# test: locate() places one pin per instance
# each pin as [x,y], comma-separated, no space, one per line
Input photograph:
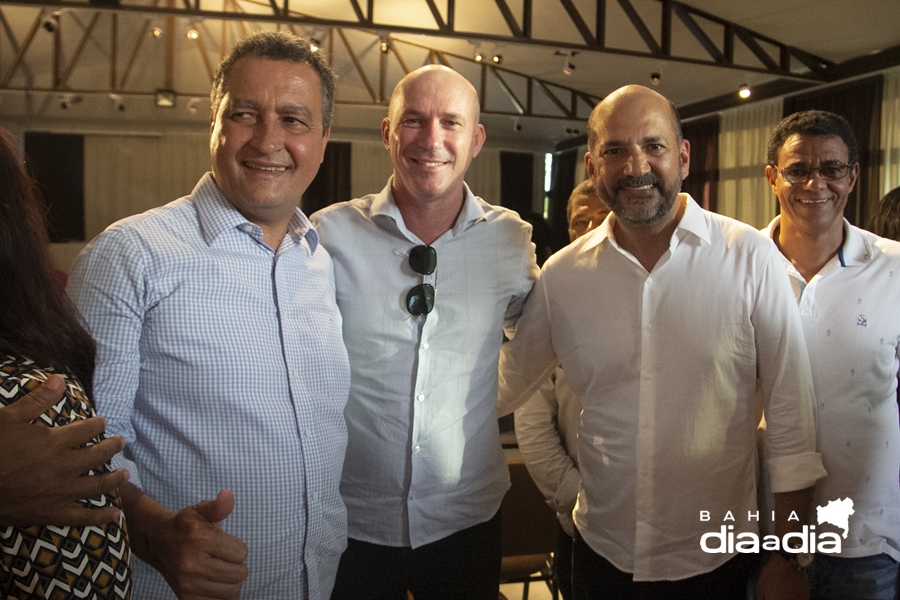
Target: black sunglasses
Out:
[420,299]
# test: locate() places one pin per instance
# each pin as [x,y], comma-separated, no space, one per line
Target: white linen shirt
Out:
[547,435]
[424,458]
[851,317]
[666,365]
[222,364]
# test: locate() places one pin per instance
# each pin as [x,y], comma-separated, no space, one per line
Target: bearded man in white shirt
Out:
[664,318]
[428,277]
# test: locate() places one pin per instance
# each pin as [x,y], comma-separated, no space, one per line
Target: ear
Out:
[478,139]
[325,137]
[684,155]
[854,175]
[772,175]
[386,133]
[589,165]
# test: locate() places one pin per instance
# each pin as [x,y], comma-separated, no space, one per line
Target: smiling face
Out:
[816,206]
[267,139]
[432,134]
[636,162]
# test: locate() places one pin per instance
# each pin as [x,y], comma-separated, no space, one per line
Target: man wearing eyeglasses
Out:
[667,319]
[428,278]
[847,285]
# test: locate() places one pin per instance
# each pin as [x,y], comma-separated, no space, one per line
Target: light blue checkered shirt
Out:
[222,364]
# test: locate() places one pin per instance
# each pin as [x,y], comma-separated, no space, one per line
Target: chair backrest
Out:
[529,525]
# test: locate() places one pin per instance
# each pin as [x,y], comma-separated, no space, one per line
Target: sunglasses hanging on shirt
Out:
[420,299]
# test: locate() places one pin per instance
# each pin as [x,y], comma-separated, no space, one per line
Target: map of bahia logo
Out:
[726,541]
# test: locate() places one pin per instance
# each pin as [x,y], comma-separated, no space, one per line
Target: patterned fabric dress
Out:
[61,562]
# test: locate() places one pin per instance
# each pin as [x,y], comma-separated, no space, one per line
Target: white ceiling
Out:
[90,66]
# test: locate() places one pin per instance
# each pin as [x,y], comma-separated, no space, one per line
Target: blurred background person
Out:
[886,220]
[547,425]
[44,466]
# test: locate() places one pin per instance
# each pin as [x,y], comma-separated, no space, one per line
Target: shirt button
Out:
[294,372]
[425,346]
[416,448]
[420,397]
[306,433]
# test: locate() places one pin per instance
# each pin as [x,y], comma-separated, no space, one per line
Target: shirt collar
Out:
[217,215]
[692,222]
[856,249]
[384,205]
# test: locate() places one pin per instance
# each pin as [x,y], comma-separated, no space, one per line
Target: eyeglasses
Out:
[801,173]
[420,299]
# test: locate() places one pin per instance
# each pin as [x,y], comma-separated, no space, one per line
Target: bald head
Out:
[627,96]
[432,132]
[439,79]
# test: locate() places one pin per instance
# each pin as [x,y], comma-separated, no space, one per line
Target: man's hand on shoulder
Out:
[42,468]
[197,558]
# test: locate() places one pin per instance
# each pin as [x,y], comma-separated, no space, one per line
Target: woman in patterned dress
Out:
[40,335]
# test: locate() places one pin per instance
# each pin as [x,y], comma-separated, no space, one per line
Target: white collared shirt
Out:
[424,458]
[851,317]
[666,365]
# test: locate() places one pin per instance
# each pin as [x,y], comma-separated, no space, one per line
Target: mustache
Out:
[645,179]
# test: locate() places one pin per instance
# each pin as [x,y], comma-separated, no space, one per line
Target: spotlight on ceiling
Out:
[568,65]
[654,78]
[67,100]
[314,44]
[497,59]
[193,33]
[193,106]
[479,57]
[165,98]
[385,45]
[118,102]
[744,91]
[156,32]
[51,22]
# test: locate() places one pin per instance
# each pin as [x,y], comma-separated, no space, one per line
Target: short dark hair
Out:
[277,45]
[812,123]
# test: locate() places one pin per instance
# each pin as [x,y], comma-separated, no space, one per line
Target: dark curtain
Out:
[562,182]
[516,189]
[56,161]
[516,181]
[703,176]
[860,103]
[332,182]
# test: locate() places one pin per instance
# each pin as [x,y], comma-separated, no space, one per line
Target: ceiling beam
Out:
[590,41]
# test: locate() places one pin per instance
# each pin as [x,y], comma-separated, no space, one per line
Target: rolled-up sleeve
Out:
[786,385]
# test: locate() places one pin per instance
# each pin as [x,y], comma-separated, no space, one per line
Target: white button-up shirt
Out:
[424,458]
[666,366]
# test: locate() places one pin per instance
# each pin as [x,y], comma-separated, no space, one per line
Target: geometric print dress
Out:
[61,562]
